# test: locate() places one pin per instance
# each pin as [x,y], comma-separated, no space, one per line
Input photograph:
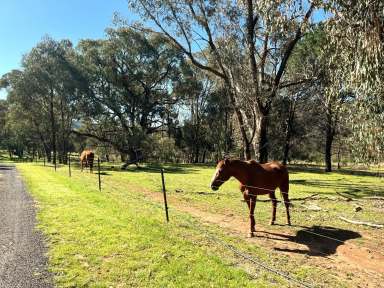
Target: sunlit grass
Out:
[119,238]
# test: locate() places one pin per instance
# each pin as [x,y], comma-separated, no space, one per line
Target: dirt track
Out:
[22,251]
[365,264]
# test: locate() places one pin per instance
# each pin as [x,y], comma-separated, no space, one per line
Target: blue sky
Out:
[23,23]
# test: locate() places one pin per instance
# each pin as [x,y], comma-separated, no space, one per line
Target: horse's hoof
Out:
[272,223]
[251,235]
[289,223]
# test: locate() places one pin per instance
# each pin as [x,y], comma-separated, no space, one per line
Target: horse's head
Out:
[221,174]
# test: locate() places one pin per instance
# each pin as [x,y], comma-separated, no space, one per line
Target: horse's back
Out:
[271,174]
[275,166]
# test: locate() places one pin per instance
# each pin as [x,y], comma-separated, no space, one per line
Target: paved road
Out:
[22,251]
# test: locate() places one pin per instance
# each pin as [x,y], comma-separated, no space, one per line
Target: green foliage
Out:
[132,80]
[208,79]
[355,36]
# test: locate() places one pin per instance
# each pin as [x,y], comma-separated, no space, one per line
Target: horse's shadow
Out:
[320,240]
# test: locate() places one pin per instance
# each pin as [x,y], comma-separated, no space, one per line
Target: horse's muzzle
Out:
[214,187]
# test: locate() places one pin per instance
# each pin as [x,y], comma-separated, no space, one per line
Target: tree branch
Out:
[179,45]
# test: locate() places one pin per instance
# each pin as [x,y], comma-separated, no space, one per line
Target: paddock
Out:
[320,249]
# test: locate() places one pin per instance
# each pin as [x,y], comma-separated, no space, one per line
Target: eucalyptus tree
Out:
[43,92]
[25,114]
[245,44]
[132,82]
[305,68]
[356,35]
[4,133]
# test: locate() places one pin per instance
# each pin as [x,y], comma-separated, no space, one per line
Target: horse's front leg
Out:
[251,202]
[272,196]
[252,206]
[247,200]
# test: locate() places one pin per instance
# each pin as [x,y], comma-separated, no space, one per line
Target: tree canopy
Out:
[196,80]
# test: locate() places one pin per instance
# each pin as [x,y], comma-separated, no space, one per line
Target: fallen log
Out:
[362,223]
[313,207]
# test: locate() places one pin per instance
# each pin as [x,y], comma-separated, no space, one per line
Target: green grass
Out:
[190,183]
[118,238]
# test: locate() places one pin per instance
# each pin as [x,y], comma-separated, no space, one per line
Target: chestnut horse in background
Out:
[86,159]
[255,179]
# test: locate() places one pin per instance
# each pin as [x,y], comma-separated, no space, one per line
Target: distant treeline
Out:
[213,78]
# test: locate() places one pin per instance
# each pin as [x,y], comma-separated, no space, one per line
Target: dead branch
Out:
[346,197]
[304,198]
[362,223]
[373,198]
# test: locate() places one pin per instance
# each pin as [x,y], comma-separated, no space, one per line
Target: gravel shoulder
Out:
[23,261]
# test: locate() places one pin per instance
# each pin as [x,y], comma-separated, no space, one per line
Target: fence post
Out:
[69,164]
[164,194]
[98,168]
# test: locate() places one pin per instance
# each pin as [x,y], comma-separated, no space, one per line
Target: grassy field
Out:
[119,238]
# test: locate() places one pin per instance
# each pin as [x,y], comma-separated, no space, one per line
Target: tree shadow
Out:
[353,189]
[7,167]
[344,171]
[174,169]
[320,240]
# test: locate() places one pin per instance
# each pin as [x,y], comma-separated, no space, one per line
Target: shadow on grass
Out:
[168,169]
[320,170]
[320,240]
[354,190]
[7,167]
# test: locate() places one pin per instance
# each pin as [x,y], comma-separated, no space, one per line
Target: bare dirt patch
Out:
[358,266]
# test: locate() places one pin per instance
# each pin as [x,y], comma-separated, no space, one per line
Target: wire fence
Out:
[209,235]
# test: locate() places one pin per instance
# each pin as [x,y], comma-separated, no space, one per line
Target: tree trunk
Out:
[246,143]
[247,150]
[328,146]
[288,132]
[48,154]
[197,153]
[204,155]
[53,128]
[123,157]
[263,139]
[286,148]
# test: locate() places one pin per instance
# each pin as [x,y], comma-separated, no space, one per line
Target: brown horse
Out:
[255,179]
[86,159]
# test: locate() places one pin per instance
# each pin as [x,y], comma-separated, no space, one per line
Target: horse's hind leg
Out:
[274,204]
[284,191]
